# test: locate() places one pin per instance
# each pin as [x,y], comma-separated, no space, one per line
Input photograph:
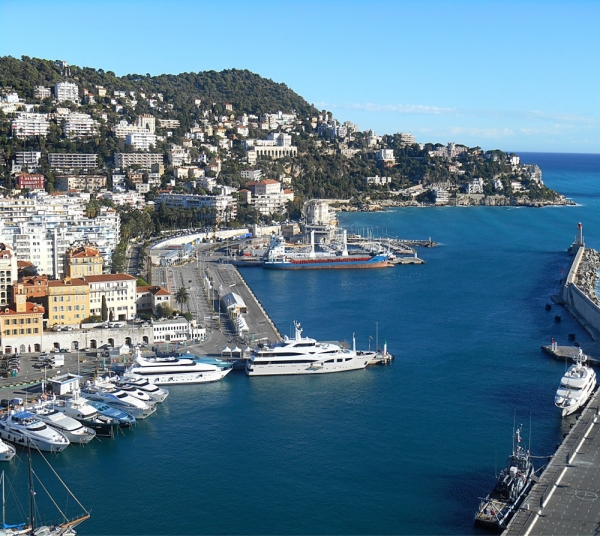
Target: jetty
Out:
[565,499]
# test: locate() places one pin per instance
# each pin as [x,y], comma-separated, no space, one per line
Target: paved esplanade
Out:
[566,499]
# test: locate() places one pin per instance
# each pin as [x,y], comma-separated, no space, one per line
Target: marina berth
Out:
[74,431]
[174,370]
[576,386]
[24,428]
[303,355]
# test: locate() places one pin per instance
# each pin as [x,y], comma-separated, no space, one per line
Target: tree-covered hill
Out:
[246,91]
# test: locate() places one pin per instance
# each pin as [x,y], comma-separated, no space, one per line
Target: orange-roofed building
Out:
[84,261]
[149,297]
[21,326]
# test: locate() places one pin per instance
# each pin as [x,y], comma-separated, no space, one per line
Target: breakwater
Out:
[578,293]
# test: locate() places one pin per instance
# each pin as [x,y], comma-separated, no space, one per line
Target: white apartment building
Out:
[475,186]
[30,124]
[66,91]
[147,123]
[42,92]
[41,229]
[379,180]
[277,145]
[177,330]
[441,195]
[29,159]
[251,174]
[72,161]
[80,182]
[218,207]
[79,125]
[8,273]
[168,123]
[143,160]
[141,141]
[119,291]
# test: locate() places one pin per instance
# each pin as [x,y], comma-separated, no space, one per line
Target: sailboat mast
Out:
[31,492]
[3,502]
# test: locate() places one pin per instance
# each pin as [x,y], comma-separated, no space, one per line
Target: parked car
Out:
[4,403]
[44,354]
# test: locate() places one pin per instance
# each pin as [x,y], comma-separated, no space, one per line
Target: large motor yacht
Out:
[303,355]
[117,398]
[71,428]
[576,386]
[174,370]
[24,428]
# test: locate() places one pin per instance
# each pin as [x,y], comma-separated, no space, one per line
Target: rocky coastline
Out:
[466,200]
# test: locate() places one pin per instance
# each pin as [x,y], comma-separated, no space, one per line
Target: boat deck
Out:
[566,498]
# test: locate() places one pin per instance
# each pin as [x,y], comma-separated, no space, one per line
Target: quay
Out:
[568,352]
[565,498]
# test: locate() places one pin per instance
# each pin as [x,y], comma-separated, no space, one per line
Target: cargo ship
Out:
[279,259]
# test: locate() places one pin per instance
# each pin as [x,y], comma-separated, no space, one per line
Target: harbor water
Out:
[401,449]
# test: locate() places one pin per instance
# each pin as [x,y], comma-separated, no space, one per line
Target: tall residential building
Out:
[30,124]
[21,326]
[141,141]
[72,160]
[8,273]
[144,160]
[66,91]
[79,125]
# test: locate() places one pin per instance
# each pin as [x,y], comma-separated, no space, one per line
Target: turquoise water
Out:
[403,449]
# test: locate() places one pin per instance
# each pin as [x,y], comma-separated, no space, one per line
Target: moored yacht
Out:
[158,394]
[74,431]
[78,408]
[115,397]
[576,386]
[125,419]
[7,452]
[24,428]
[174,370]
[303,355]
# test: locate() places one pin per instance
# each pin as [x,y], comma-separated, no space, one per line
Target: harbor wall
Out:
[577,302]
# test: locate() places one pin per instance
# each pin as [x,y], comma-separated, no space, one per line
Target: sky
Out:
[513,75]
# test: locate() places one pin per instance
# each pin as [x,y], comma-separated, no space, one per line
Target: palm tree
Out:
[182,296]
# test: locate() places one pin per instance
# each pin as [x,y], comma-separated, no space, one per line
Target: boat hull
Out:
[180,378]
[336,263]
[254,369]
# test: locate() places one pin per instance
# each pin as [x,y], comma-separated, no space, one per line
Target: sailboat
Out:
[64,528]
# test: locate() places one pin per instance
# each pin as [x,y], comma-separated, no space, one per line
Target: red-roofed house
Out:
[148,298]
[21,327]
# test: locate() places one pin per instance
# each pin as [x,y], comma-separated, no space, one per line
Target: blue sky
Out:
[513,75]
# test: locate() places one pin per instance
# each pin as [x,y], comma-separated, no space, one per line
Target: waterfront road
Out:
[566,500]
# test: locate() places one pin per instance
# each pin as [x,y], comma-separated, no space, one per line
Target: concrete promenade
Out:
[565,500]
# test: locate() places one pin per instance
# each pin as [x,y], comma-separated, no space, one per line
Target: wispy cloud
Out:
[386,108]
[424,109]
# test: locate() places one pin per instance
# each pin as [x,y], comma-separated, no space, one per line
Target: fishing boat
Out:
[576,386]
[303,355]
[278,258]
[512,484]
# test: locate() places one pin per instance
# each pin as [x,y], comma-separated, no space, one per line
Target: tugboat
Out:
[513,483]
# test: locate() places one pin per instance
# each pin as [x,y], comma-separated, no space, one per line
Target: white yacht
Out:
[74,431]
[7,452]
[303,355]
[125,419]
[158,394]
[24,428]
[576,386]
[174,370]
[78,408]
[116,398]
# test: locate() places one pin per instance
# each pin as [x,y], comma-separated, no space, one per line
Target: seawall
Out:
[578,295]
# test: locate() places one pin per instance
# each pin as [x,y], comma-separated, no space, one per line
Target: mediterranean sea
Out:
[401,449]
